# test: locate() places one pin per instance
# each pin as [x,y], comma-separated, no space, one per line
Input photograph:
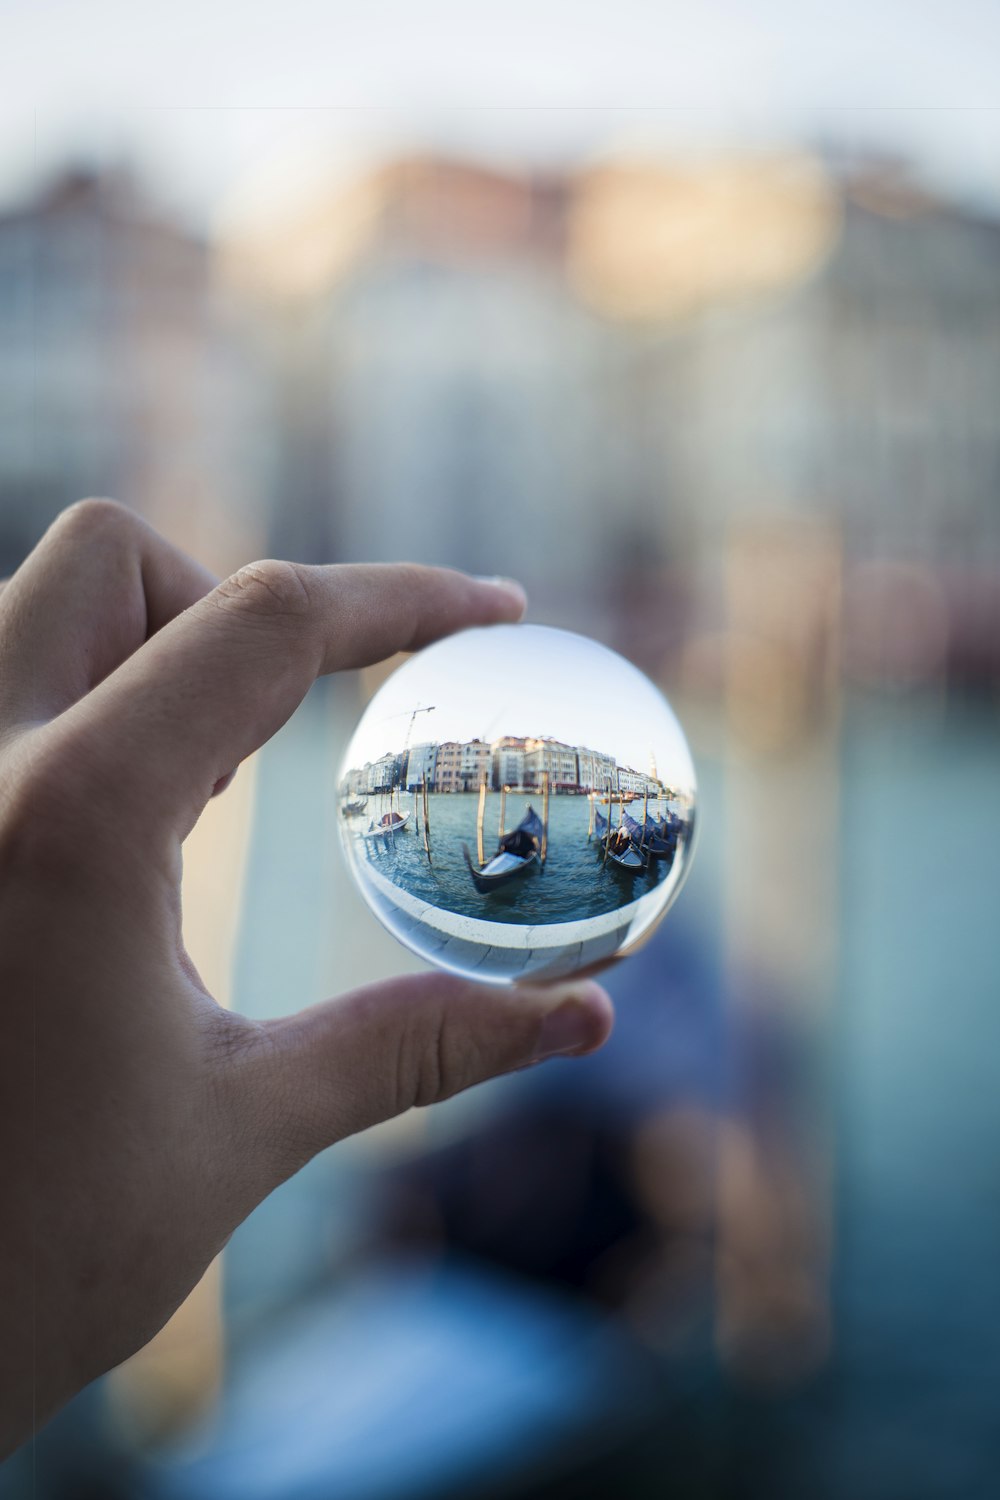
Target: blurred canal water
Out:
[917,1213]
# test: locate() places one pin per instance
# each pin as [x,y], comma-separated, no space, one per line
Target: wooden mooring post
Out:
[427,824]
[607,831]
[545,815]
[479,824]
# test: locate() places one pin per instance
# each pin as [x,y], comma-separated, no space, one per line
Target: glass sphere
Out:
[518,803]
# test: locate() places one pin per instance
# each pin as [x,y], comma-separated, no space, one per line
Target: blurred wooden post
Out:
[607,831]
[781,924]
[479,824]
[545,815]
[427,826]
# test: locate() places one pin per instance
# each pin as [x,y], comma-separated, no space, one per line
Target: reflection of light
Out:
[648,241]
[895,624]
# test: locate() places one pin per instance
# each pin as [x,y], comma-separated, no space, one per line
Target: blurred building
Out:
[383,774]
[123,372]
[587,381]
[476,760]
[860,383]
[447,378]
[420,766]
[508,762]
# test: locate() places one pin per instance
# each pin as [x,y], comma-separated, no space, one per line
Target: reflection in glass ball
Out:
[518,803]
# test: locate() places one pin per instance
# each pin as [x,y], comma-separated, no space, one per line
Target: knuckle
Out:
[95,516]
[428,1070]
[272,588]
[415,579]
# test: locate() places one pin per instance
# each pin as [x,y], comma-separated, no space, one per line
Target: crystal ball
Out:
[518,802]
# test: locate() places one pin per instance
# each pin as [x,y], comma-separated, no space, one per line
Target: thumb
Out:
[375,1052]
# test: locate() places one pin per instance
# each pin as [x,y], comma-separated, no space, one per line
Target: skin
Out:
[140,1122]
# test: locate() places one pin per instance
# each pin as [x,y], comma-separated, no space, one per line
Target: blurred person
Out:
[141,1122]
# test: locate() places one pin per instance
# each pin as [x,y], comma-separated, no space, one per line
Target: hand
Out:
[141,1122]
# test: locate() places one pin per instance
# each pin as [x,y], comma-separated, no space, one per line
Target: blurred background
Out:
[693,326]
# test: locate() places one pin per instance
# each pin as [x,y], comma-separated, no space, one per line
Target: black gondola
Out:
[517,852]
[649,836]
[621,850]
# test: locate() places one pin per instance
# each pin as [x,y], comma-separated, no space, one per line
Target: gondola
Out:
[389,823]
[352,809]
[621,850]
[625,855]
[649,836]
[517,852]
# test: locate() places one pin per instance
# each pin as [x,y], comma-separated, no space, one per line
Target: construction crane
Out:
[420,709]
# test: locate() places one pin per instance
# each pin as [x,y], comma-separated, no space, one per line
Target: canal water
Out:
[574,884]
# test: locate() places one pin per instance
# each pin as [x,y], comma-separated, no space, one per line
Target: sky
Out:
[526,680]
[204,95]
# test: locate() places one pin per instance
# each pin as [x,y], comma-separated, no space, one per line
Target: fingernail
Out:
[509,585]
[571,1027]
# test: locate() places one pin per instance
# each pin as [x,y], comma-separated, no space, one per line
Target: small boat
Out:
[388,823]
[352,809]
[517,852]
[621,850]
[670,829]
[648,836]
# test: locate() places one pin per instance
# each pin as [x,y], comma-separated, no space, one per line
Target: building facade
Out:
[476,762]
[383,773]
[508,762]
[420,766]
[448,767]
[595,772]
[552,759]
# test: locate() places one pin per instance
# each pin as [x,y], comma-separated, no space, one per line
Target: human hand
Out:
[141,1122]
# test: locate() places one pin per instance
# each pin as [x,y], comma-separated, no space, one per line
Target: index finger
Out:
[221,678]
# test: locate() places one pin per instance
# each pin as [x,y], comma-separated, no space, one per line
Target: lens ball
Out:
[518,802]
